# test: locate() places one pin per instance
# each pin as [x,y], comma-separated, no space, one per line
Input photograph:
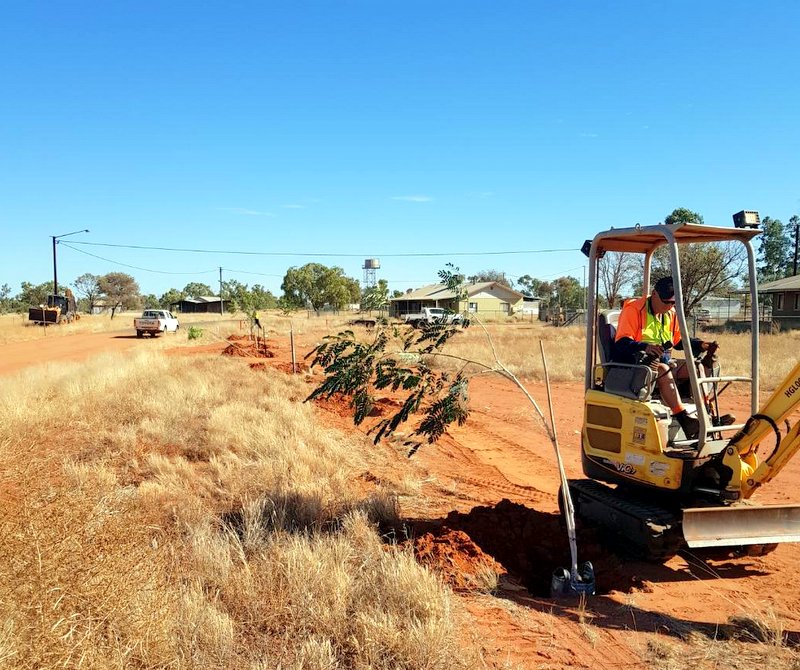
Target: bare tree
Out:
[88,288]
[615,271]
[705,269]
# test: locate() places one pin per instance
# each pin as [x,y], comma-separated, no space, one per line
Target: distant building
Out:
[530,305]
[492,298]
[203,304]
[785,294]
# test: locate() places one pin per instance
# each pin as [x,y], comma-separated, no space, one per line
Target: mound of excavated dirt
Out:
[456,558]
[528,544]
[384,406]
[299,367]
[244,347]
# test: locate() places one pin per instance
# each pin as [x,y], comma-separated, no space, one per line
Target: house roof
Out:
[441,292]
[202,299]
[780,285]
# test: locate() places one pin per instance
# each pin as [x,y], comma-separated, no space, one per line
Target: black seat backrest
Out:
[630,381]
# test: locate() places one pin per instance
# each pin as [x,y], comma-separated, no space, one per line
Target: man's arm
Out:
[629,333]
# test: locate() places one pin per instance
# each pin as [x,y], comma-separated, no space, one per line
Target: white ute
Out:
[155,322]
[432,315]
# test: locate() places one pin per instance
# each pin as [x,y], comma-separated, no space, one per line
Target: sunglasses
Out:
[668,302]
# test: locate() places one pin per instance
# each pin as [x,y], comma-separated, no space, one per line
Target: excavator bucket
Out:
[741,525]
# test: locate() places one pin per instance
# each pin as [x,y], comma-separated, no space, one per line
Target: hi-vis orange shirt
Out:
[638,322]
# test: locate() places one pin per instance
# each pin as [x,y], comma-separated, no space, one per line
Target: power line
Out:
[247,272]
[135,267]
[327,255]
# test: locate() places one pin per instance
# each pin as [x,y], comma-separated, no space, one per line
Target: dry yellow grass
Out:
[189,513]
[517,347]
[736,650]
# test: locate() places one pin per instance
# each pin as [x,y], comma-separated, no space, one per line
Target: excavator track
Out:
[635,526]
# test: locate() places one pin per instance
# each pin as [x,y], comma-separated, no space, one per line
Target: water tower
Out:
[370,266]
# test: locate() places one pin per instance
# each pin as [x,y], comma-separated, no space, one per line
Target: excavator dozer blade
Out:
[741,525]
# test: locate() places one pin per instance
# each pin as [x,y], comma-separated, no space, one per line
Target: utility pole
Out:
[55,265]
[584,288]
[796,221]
[221,301]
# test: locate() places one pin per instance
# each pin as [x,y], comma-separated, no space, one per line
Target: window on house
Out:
[505,307]
[796,301]
[473,307]
[779,302]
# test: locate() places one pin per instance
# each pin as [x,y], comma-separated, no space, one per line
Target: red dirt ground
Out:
[489,500]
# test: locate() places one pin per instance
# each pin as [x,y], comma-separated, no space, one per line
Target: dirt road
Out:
[494,480]
[19,355]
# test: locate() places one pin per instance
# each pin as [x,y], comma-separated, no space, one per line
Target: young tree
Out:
[318,285]
[120,289]
[775,250]
[88,288]
[196,289]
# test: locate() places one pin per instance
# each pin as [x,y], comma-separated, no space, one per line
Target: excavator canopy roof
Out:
[642,239]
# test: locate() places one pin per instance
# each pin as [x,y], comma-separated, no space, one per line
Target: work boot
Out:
[690,425]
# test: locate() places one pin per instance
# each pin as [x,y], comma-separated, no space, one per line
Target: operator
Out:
[256,320]
[647,330]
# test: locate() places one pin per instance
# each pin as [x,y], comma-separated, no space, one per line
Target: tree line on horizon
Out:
[706,269]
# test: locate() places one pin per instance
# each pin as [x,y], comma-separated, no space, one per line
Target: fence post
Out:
[291,340]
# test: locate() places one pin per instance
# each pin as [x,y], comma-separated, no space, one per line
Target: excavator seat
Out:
[629,381]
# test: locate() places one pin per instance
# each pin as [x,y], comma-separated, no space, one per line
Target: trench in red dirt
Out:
[523,542]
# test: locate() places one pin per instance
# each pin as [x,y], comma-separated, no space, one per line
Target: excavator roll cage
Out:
[645,240]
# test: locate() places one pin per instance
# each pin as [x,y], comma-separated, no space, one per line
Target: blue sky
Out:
[373,128]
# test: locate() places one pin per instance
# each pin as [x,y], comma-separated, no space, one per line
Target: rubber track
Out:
[661,535]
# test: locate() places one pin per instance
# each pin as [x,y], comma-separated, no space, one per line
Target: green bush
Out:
[195,333]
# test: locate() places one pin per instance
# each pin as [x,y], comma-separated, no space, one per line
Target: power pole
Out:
[584,288]
[796,221]
[55,268]
[221,301]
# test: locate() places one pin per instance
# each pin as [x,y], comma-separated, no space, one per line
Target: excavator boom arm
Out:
[750,471]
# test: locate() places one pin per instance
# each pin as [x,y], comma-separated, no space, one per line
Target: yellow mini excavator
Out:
[653,489]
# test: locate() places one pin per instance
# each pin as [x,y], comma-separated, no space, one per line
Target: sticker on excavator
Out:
[634,459]
[658,468]
[741,525]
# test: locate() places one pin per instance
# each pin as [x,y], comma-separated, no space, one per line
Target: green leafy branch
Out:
[398,358]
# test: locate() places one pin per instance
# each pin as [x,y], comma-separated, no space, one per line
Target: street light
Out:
[55,270]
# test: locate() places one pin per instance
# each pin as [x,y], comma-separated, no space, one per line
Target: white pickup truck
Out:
[432,315]
[155,322]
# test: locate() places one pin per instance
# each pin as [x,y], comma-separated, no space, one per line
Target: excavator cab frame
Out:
[646,240]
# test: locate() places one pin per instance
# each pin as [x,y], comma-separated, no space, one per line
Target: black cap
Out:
[664,288]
